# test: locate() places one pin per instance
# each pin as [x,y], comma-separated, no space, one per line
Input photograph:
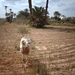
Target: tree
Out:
[6,8]
[30,6]
[7,15]
[38,14]
[37,19]
[57,14]
[71,20]
[46,8]
[6,11]
[26,13]
[11,16]
[23,13]
[10,10]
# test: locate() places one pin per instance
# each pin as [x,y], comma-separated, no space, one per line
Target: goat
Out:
[25,49]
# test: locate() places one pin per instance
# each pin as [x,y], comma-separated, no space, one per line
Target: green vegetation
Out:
[38,13]
[37,17]
[23,14]
[71,20]
[9,16]
[57,15]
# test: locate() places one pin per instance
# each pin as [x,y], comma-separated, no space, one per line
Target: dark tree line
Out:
[37,15]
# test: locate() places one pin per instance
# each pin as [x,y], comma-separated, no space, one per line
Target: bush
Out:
[71,20]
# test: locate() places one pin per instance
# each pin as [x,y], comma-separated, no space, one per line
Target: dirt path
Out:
[53,46]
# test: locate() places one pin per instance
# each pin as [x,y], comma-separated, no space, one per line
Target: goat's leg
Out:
[25,59]
[26,64]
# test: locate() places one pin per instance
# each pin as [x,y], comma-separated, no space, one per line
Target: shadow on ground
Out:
[36,67]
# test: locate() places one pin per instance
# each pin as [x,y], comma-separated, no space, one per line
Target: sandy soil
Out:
[54,47]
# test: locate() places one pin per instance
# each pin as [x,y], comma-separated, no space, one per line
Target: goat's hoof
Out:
[24,60]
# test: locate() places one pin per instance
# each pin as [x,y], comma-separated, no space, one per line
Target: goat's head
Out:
[29,41]
[26,42]
[23,43]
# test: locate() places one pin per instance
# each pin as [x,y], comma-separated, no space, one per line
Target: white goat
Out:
[25,49]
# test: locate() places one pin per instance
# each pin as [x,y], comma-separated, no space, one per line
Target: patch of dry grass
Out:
[23,30]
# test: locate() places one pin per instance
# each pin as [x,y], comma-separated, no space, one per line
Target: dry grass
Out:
[58,59]
[2,21]
[23,30]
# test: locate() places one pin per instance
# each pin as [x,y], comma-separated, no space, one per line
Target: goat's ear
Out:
[23,43]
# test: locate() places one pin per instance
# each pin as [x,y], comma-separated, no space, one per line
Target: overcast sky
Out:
[65,7]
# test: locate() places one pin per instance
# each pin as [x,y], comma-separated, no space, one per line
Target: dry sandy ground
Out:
[54,47]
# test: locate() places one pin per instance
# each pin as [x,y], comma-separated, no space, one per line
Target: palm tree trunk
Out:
[6,8]
[6,11]
[30,6]
[46,8]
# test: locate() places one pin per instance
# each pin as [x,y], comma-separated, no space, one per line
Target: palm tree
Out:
[8,17]
[30,6]
[11,16]
[6,11]
[6,8]
[8,14]
[38,16]
[46,8]
[10,10]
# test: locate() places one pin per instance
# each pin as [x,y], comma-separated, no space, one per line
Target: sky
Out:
[64,7]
